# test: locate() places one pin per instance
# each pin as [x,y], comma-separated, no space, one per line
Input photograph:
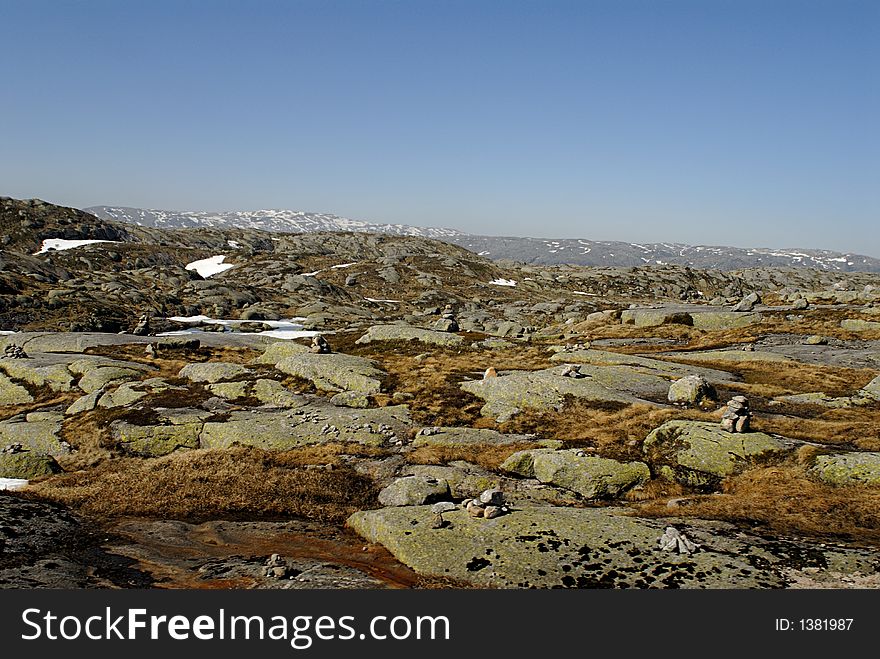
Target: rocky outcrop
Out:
[414,491]
[547,547]
[213,372]
[335,372]
[853,468]
[701,454]
[589,476]
[408,333]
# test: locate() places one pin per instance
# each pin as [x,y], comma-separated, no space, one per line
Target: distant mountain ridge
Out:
[540,251]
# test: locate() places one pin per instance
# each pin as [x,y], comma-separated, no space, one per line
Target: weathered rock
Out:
[591,477]
[27,464]
[314,423]
[507,395]
[131,392]
[748,302]
[655,317]
[279,350]
[548,547]
[213,372]
[713,321]
[351,399]
[275,394]
[85,403]
[414,491]
[700,453]
[853,468]
[153,441]
[464,436]
[230,390]
[872,389]
[13,394]
[409,333]
[41,435]
[691,390]
[731,356]
[41,371]
[816,340]
[335,372]
[636,363]
[859,325]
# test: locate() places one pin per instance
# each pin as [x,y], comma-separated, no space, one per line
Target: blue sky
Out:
[751,123]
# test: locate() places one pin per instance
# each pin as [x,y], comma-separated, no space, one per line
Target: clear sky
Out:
[741,122]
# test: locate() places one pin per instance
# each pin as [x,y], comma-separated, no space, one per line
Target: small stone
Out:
[490,373]
[492,496]
[490,512]
[442,507]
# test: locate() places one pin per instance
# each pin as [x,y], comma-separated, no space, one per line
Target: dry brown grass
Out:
[434,380]
[213,484]
[615,431]
[488,457]
[859,427]
[783,499]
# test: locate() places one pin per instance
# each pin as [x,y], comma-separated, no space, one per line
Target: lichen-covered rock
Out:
[655,317]
[40,371]
[724,320]
[700,453]
[414,491]
[691,390]
[230,390]
[13,394]
[314,423]
[732,356]
[275,394]
[859,325]
[547,546]
[85,403]
[41,435]
[638,363]
[153,441]
[279,350]
[27,464]
[508,394]
[872,389]
[131,392]
[409,333]
[590,476]
[351,399]
[335,372]
[853,468]
[458,437]
[213,372]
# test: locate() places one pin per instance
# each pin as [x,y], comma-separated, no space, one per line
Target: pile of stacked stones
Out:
[572,371]
[489,504]
[737,416]
[13,351]
[143,326]
[320,345]
[277,568]
[447,322]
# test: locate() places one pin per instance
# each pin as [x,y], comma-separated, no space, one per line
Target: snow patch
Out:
[281,329]
[12,483]
[503,282]
[210,266]
[60,244]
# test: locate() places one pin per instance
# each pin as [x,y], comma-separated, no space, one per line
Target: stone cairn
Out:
[572,371]
[447,322]
[673,539]
[489,504]
[143,326]
[320,345]
[737,416]
[13,351]
[277,568]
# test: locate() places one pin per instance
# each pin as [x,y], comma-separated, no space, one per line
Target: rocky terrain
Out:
[351,410]
[598,253]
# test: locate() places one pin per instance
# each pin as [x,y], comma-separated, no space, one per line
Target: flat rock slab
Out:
[547,547]
[456,437]
[335,371]
[13,394]
[859,325]
[41,370]
[590,476]
[732,356]
[314,424]
[853,468]
[698,317]
[510,393]
[40,436]
[641,364]
[79,342]
[213,372]
[409,333]
[279,350]
[700,453]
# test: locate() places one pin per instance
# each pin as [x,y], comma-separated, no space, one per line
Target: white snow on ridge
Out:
[12,483]
[61,244]
[343,265]
[503,282]
[370,299]
[210,266]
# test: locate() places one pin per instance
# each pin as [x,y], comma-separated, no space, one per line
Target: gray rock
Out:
[213,372]
[335,372]
[414,491]
[409,333]
[591,477]
[13,394]
[748,302]
[691,390]
[852,468]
